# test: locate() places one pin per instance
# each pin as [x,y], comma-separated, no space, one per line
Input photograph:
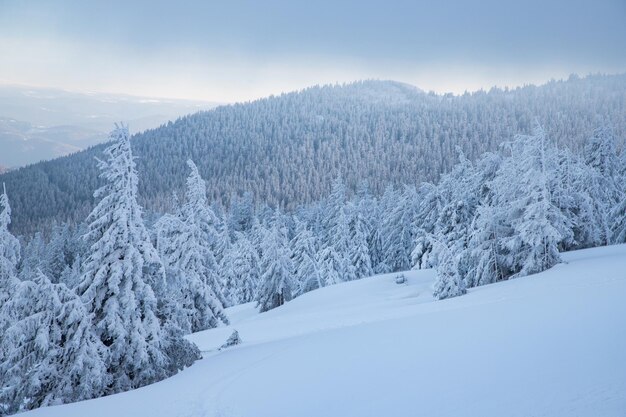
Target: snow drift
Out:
[551,344]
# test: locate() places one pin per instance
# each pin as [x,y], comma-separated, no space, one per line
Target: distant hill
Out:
[286,149]
[38,124]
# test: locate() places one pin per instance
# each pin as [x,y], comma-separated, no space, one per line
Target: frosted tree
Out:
[340,242]
[460,193]
[523,189]
[334,248]
[619,221]
[119,275]
[572,192]
[448,282]
[32,256]
[276,283]
[57,254]
[9,250]
[368,208]
[184,243]
[398,231]
[330,264]
[72,274]
[429,206]
[482,256]
[240,271]
[241,213]
[606,186]
[49,354]
[359,248]
[306,269]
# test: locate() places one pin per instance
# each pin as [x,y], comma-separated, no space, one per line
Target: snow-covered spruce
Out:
[119,276]
[184,242]
[307,270]
[448,282]
[240,271]
[48,353]
[9,250]
[277,284]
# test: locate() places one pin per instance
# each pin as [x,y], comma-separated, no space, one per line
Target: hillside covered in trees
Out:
[286,150]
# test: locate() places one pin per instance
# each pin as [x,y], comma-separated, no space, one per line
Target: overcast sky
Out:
[232,50]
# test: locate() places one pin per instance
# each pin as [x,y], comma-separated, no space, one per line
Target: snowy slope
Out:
[548,345]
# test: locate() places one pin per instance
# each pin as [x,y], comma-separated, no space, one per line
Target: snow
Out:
[550,344]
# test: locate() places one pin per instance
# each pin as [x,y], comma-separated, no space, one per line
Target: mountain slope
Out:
[285,150]
[547,345]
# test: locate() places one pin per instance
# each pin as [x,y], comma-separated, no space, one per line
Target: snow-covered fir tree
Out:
[120,273]
[306,269]
[185,243]
[57,254]
[9,250]
[398,231]
[276,282]
[48,353]
[359,255]
[606,185]
[240,271]
[448,282]
[523,189]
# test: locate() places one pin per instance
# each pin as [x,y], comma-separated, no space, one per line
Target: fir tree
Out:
[240,270]
[9,250]
[276,286]
[448,282]
[119,275]
[307,271]
[48,354]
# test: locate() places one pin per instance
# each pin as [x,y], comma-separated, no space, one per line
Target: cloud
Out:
[238,50]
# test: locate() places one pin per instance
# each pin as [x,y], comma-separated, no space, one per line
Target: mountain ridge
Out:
[286,149]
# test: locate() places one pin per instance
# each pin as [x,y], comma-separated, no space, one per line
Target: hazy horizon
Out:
[157,98]
[240,51]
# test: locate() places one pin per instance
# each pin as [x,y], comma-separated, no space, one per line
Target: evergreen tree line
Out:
[286,150]
[102,306]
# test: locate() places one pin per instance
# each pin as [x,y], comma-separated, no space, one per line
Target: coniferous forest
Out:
[286,150]
[312,208]
[98,305]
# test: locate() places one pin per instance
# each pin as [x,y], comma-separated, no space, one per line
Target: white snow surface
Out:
[551,344]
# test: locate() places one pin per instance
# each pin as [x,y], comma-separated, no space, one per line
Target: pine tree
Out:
[601,156]
[307,271]
[9,250]
[339,240]
[523,189]
[57,255]
[32,256]
[448,282]
[359,249]
[428,210]
[119,275]
[184,242]
[48,354]
[482,256]
[240,270]
[330,265]
[276,286]
[398,231]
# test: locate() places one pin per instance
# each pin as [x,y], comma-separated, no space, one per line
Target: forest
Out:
[286,150]
[102,305]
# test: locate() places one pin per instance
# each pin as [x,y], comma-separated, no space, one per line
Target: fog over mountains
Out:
[42,123]
[286,149]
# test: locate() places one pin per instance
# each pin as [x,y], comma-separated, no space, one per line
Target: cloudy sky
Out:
[231,50]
